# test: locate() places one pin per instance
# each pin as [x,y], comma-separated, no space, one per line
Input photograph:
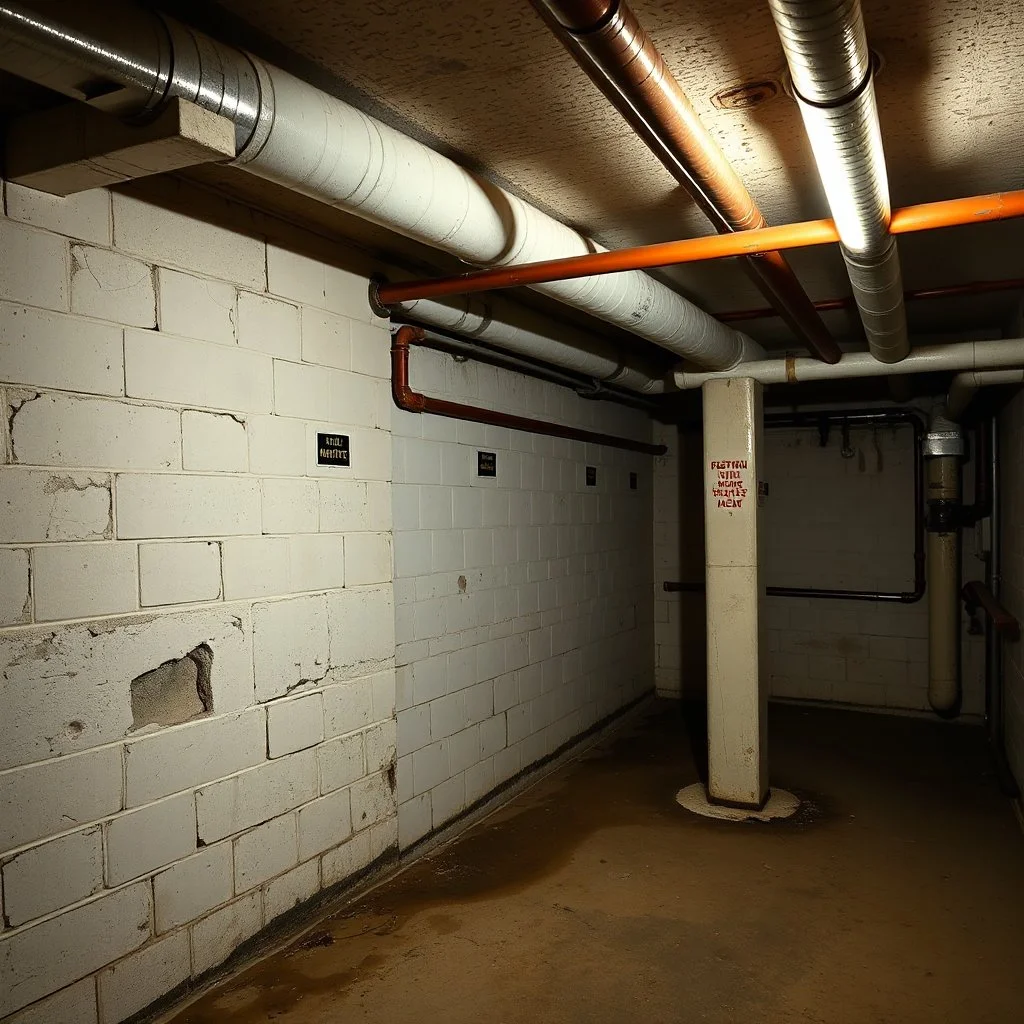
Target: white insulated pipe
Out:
[959,355]
[298,136]
[943,549]
[965,386]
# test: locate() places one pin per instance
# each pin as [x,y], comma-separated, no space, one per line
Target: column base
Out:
[780,804]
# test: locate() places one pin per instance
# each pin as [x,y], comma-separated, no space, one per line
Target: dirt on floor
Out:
[896,895]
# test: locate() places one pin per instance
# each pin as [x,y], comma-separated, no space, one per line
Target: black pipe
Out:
[819,419]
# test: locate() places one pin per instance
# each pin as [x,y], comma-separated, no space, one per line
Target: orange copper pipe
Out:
[413,401]
[609,43]
[924,217]
[946,291]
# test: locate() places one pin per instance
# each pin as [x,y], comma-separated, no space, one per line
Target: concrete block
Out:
[72,581]
[75,1003]
[63,430]
[109,286]
[50,955]
[479,781]
[266,851]
[193,886]
[70,685]
[136,981]
[291,645]
[15,597]
[371,349]
[341,761]
[195,307]
[413,556]
[291,889]
[362,625]
[54,875]
[317,561]
[36,268]
[294,724]
[268,325]
[307,391]
[448,715]
[216,937]
[296,276]
[42,800]
[415,820]
[324,824]
[367,558]
[326,338]
[213,442]
[186,372]
[175,572]
[348,293]
[290,506]
[492,735]
[430,766]
[345,506]
[257,795]
[349,705]
[464,749]
[141,841]
[346,860]
[151,506]
[256,567]
[413,729]
[373,800]
[37,506]
[201,244]
[84,216]
[448,799]
[43,349]
[277,445]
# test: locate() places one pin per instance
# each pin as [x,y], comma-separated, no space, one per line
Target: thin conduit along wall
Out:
[316,144]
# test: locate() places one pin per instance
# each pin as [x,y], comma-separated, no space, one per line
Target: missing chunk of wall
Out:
[174,692]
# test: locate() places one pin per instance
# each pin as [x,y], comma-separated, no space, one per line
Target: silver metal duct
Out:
[296,135]
[830,66]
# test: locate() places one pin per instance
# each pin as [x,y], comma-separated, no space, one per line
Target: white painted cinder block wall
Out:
[1011,461]
[164,377]
[523,601]
[167,359]
[829,521]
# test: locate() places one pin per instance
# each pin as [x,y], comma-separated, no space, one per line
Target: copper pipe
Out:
[924,217]
[413,401]
[1009,284]
[610,45]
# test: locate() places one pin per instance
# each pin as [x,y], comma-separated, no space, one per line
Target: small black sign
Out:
[486,464]
[632,481]
[332,450]
[591,476]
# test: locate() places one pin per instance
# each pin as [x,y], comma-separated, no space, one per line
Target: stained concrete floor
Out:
[896,896]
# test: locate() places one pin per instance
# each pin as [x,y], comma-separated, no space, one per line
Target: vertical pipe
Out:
[943,585]
[994,650]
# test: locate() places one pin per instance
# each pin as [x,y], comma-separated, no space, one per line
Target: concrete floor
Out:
[896,896]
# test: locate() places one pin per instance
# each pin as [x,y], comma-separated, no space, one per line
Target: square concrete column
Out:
[737,696]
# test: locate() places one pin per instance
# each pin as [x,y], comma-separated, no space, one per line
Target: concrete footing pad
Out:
[781,804]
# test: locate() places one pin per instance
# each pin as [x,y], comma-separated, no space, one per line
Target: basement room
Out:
[511,511]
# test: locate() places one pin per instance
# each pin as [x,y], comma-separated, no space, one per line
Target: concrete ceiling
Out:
[486,81]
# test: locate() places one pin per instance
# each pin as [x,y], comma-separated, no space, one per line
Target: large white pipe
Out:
[520,330]
[297,135]
[964,387]
[960,355]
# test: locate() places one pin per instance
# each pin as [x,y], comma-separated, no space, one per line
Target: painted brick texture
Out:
[161,391]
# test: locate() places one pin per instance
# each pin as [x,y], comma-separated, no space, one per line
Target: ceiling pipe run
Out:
[610,45]
[830,66]
[965,386]
[413,401]
[945,291]
[960,355]
[298,136]
[923,217]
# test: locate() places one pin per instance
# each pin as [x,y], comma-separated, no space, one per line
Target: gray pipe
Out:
[830,66]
